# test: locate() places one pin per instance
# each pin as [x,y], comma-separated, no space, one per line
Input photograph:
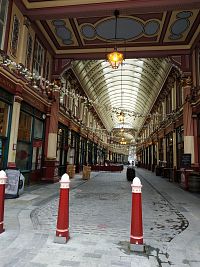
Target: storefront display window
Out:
[169,149]
[23,156]
[4,115]
[62,148]
[180,145]
[160,148]
[30,140]
[37,155]
[38,128]
[2,149]
[25,127]
[4,110]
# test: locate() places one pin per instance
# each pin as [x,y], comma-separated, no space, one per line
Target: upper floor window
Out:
[15,36]
[160,113]
[169,103]
[38,60]
[179,101]
[47,70]
[29,51]
[3,15]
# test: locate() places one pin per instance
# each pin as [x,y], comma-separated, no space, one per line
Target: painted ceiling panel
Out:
[86,29]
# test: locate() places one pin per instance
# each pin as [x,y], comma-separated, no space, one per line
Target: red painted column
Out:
[3,179]
[188,121]
[136,237]
[50,167]
[62,230]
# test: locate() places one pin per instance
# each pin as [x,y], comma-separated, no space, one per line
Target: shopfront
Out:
[6,101]
[30,143]
[179,146]
[90,153]
[179,152]
[95,154]
[169,150]
[83,152]
[160,149]
[62,148]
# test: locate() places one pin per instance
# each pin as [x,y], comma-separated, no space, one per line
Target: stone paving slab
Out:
[100,225]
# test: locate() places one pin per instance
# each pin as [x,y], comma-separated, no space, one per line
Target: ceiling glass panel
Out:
[131,89]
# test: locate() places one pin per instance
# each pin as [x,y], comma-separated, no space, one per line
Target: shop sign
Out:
[186,161]
[12,185]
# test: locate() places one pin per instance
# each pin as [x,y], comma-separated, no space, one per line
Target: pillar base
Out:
[50,171]
[2,230]
[11,165]
[61,239]
[137,248]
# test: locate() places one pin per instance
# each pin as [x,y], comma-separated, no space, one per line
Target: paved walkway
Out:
[100,224]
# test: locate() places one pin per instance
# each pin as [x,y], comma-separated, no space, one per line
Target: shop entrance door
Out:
[36,160]
[3,157]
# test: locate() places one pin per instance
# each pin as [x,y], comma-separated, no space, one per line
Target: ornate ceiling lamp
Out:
[121,117]
[123,141]
[115,58]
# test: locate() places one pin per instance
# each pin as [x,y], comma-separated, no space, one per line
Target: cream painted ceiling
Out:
[132,88]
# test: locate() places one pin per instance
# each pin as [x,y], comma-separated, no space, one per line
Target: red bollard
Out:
[136,237]
[62,231]
[3,179]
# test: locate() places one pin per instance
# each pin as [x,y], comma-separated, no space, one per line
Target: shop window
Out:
[169,150]
[2,151]
[25,127]
[179,145]
[15,36]
[37,155]
[4,110]
[38,129]
[23,155]
[38,60]
[3,15]
[160,148]
[62,149]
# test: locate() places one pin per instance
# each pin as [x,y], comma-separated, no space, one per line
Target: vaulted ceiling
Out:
[131,89]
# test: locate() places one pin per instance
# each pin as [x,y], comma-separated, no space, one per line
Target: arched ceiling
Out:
[131,89]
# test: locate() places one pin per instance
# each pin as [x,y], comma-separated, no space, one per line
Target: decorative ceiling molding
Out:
[84,29]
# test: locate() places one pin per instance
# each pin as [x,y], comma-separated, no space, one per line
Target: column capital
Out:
[18,98]
[186,81]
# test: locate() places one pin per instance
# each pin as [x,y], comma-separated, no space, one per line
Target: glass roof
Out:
[131,89]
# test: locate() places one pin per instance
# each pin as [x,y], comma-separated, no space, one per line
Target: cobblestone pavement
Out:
[100,225]
[102,207]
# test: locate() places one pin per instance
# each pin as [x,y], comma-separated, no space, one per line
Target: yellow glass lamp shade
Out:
[115,58]
[121,117]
